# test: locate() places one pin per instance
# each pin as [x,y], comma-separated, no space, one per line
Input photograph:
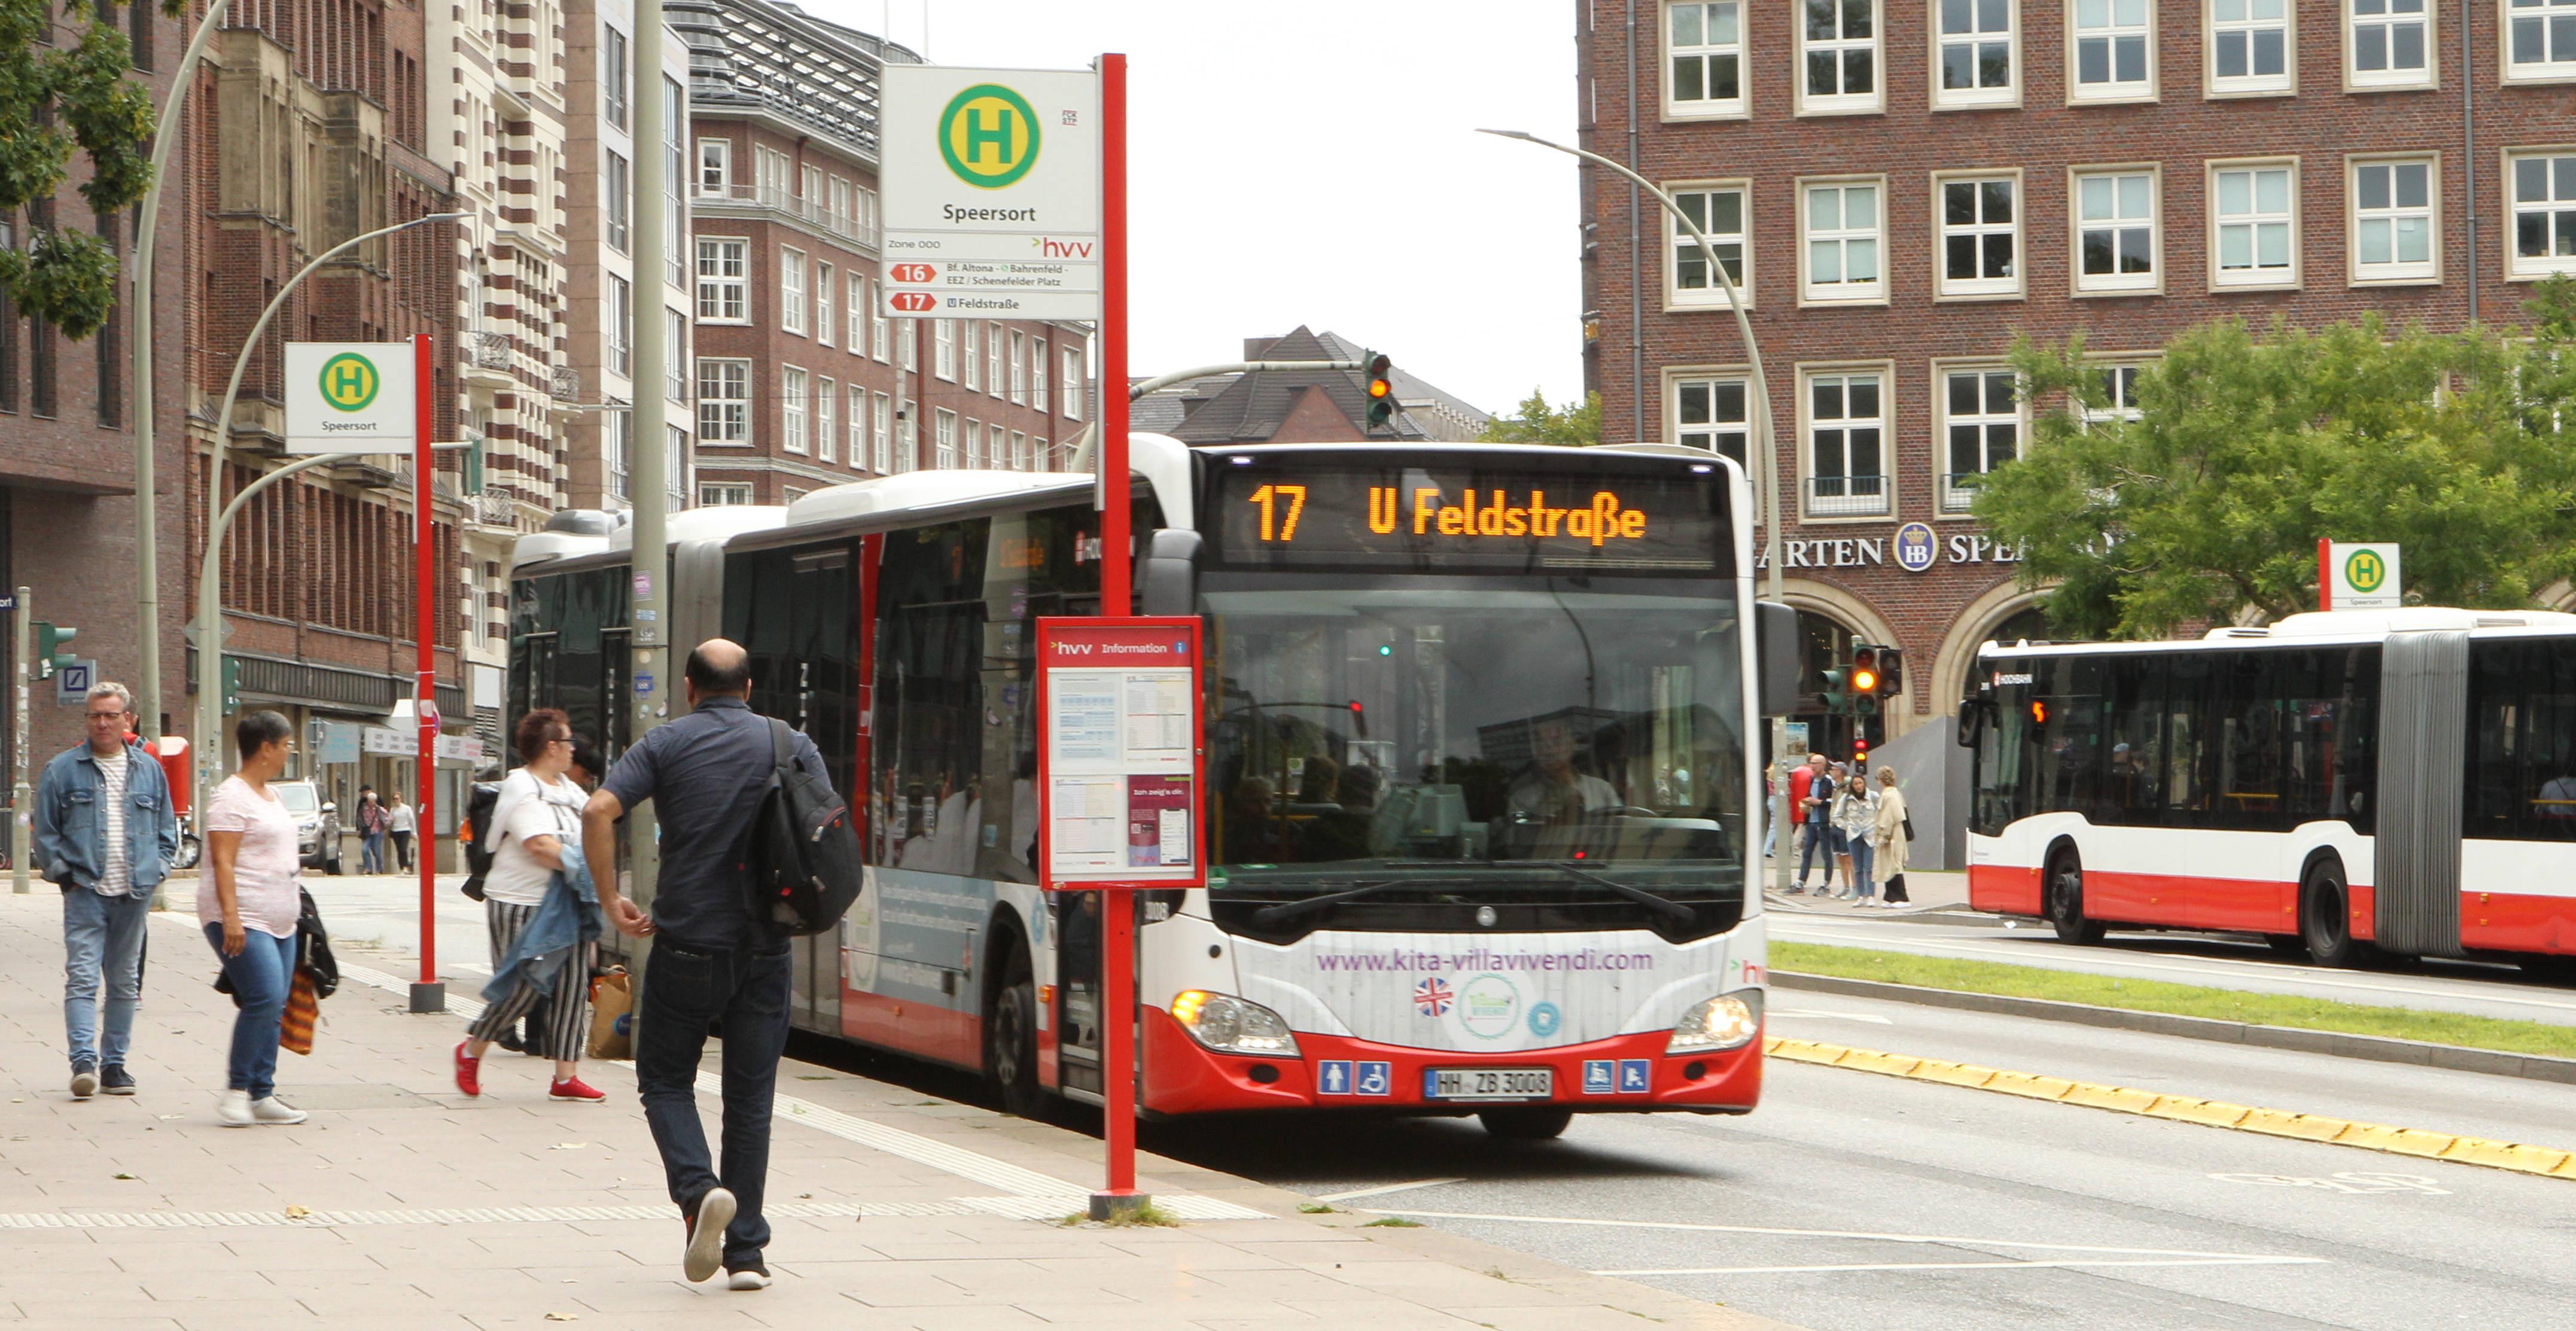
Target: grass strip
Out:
[2184,1000]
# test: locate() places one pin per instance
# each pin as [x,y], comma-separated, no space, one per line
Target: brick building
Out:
[801,382]
[1904,187]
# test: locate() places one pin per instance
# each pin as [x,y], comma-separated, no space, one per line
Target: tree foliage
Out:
[56,100]
[2247,450]
[1538,423]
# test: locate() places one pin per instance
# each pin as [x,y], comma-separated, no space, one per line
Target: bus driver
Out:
[1556,796]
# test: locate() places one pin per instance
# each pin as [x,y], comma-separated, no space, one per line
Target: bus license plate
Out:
[1489,1084]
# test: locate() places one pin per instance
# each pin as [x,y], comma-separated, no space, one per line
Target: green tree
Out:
[1538,423]
[56,99]
[2247,450]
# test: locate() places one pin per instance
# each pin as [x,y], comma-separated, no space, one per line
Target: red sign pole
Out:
[427,994]
[2325,574]
[1118,909]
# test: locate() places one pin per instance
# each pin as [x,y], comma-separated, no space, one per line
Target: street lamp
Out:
[1766,439]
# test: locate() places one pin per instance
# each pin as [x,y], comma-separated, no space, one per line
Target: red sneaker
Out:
[575,1089]
[469,1071]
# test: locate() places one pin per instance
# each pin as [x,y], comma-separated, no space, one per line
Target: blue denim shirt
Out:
[569,916]
[70,825]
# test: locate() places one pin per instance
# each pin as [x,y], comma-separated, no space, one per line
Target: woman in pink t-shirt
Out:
[250,911]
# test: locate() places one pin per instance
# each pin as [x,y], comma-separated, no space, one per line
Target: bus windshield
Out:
[1437,728]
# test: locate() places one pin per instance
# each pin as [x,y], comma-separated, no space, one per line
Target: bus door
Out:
[800,626]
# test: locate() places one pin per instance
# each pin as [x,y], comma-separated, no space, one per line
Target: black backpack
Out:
[478,847]
[801,851]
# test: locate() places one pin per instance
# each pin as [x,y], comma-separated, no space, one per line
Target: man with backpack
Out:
[716,962]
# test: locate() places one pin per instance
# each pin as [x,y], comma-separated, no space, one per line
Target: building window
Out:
[1039,457]
[881,417]
[993,359]
[2249,46]
[974,357]
[2254,218]
[827,436]
[1020,452]
[614,69]
[1838,49]
[1980,237]
[2392,221]
[2542,40]
[621,326]
[675,355]
[1019,363]
[2544,214]
[943,349]
[675,211]
[911,340]
[2119,394]
[724,401]
[2391,44]
[773,176]
[1070,386]
[823,284]
[617,183]
[715,167]
[974,443]
[858,426]
[724,281]
[907,449]
[880,331]
[997,450]
[1846,424]
[620,429]
[2114,44]
[1981,416]
[2115,231]
[1704,50]
[1975,53]
[855,315]
[791,408]
[1710,414]
[943,438]
[1718,211]
[1841,221]
[714,495]
[791,289]
[1038,376]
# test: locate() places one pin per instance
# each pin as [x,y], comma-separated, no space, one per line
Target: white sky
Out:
[1315,162]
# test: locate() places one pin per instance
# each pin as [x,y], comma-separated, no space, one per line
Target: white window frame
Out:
[827,428]
[859,441]
[729,280]
[997,446]
[1039,458]
[2283,221]
[1840,103]
[2213,27]
[617,198]
[909,345]
[2112,367]
[619,331]
[2542,12]
[1705,55]
[616,73]
[724,382]
[793,384]
[1039,366]
[720,494]
[715,168]
[1842,291]
[1945,287]
[943,350]
[993,359]
[1070,385]
[791,290]
[2117,90]
[2150,283]
[880,328]
[943,440]
[971,454]
[675,355]
[854,329]
[2395,272]
[2561,205]
[1848,506]
[973,379]
[1020,451]
[1682,384]
[1678,244]
[1019,368]
[1947,98]
[907,452]
[824,279]
[1949,498]
[881,433]
[2357,79]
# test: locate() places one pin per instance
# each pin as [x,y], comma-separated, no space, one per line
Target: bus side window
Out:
[929,698]
[2133,706]
[2190,683]
[2068,691]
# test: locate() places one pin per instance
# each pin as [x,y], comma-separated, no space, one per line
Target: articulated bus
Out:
[1480,776]
[2342,783]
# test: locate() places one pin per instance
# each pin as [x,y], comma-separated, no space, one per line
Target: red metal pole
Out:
[2325,574]
[425,704]
[1117,909]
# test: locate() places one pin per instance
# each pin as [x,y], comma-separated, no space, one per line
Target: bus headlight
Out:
[1230,1025]
[1724,1022]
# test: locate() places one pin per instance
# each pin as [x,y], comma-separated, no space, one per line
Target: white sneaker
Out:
[233,1111]
[273,1110]
[747,1278]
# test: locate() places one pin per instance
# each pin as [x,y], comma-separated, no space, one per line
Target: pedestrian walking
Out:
[1855,822]
[399,820]
[105,834]
[1893,829]
[714,962]
[541,912]
[1800,777]
[250,916]
[373,824]
[1819,824]
[587,768]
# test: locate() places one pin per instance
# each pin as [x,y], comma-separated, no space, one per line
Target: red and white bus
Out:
[1482,778]
[2397,781]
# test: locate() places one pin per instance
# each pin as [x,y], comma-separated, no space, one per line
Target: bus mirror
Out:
[1775,655]
[1170,585]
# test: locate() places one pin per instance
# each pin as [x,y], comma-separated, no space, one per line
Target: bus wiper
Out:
[1661,905]
[1289,910]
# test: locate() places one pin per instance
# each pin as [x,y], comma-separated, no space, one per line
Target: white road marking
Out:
[1872,1018]
[1357,1193]
[1943,1240]
[2041,1264]
[2348,1182]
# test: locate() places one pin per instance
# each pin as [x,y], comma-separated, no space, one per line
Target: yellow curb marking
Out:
[2548,1162]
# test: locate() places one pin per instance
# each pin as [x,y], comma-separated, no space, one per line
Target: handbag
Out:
[612,1026]
[1909,826]
[303,1011]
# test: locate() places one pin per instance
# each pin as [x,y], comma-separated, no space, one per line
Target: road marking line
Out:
[485,1215]
[1357,1193]
[1963,1266]
[2547,1162]
[1946,1240]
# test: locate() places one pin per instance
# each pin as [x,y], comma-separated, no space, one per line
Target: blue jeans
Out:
[102,938]
[371,853]
[1820,843]
[1860,883]
[744,995]
[260,976]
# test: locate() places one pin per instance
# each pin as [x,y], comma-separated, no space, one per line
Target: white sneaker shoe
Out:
[747,1278]
[233,1111]
[273,1110]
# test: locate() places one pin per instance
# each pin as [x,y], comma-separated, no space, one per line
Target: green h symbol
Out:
[348,379]
[989,125]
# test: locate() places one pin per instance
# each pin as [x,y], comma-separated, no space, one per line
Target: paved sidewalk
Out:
[1928,891]
[403,1205]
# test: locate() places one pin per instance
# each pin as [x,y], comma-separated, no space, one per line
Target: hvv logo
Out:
[1051,248]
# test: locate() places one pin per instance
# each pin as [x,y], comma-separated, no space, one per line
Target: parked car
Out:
[317,823]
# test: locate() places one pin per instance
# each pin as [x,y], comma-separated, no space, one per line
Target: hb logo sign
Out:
[988,136]
[350,381]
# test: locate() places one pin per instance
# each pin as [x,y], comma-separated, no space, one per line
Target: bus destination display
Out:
[1301,514]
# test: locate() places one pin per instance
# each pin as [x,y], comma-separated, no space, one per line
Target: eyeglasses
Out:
[109,716]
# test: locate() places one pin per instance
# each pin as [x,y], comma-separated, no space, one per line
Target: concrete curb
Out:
[2376,1048]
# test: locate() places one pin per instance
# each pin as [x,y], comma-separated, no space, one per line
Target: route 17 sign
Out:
[350,397]
[992,192]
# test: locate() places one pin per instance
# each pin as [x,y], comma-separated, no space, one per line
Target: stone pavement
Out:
[402,1204]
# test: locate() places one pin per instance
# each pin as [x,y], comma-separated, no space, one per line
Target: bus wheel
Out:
[1525,1123]
[2321,917]
[2066,901]
[1011,1040]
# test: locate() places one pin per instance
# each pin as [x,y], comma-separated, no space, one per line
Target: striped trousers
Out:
[566,1024]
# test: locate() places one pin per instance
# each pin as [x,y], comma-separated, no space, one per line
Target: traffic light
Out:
[1891,672]
[1381,392]
[1864,679]
[232,684]
[1837,692]
[53,648]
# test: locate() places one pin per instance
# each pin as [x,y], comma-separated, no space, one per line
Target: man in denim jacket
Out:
[105,833]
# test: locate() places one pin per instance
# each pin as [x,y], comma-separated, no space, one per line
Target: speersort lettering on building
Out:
[1871,552]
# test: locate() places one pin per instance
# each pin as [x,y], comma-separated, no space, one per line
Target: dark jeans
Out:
[743,994]
[1820,838]
[402,849]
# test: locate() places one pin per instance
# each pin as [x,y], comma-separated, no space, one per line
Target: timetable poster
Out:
[1120,781]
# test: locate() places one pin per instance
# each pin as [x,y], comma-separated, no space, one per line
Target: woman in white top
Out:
[1856,817]
[536,827]
[399,818]
[249,915]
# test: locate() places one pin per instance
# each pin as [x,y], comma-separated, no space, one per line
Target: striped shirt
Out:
[115,875]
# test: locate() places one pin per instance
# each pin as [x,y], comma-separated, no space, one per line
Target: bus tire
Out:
[2065,902]
[1525,1123]
[2322,922]
[1011,1039]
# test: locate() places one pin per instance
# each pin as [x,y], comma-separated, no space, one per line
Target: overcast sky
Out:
[1316,162]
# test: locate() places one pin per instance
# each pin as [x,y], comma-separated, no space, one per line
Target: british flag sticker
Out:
[1433,997]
